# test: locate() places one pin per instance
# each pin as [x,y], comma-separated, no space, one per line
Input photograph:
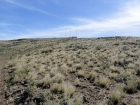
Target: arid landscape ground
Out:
[70,71]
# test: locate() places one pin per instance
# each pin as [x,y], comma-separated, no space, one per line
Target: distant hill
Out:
[70,71]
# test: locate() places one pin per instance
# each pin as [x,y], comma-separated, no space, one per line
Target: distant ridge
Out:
[73,37]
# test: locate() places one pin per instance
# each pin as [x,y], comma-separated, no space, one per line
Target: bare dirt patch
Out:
[2,83]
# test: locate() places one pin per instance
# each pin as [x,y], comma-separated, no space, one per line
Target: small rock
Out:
[11,100]
[25,103]
[85,99]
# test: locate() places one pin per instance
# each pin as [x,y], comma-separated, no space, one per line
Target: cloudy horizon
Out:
[65,18]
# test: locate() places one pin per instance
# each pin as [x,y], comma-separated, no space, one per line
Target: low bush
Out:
[115,96]
[131,87]
[92,75]
[81,73]
[55,88]
[103,81]
[47,51]
[138,71]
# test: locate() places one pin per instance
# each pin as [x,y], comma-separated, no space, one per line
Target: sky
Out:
[66,18]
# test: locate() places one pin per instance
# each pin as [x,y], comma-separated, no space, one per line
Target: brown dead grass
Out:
[2,83]
[74,71]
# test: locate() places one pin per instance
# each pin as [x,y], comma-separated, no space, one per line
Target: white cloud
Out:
[127,18]
[9,24]
[5,24]
[30,7]
[125,21]
[2,34]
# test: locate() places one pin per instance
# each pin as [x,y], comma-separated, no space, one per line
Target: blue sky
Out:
[65,18]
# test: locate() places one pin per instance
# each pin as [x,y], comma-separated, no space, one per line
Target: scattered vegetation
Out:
[72,71]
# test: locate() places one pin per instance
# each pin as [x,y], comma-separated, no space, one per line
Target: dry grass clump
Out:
[131,87]
[41,70]
[32,75]
[64,68]
[103,81]
[69,63]
[77,102]
[131,66]
[113,75]
[90,64]
[97,69]
[138,71]
[92,75]
[58,78]
[68,89]
[78,99]
[72,70]
[44,82]
[115,96]
[49,78]
[124,76]
[55,88]
[49,50]
[120,87]
[114,69]
[20,75]
[77,82]
[122,55]
[136,102]
[81,73]
[78,66]
[10,64]
[138,84]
